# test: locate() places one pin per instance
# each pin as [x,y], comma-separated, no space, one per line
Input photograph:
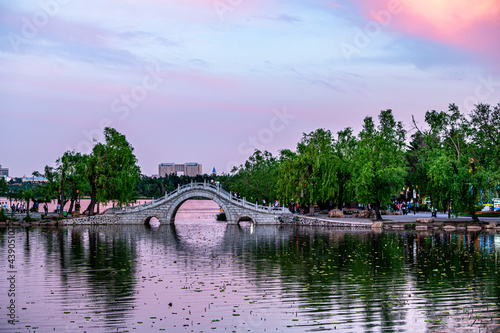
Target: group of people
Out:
[294,207]
[21,208]
[14,208]
[404,207]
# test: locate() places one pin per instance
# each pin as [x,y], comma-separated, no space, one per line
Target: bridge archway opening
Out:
[152,222]
[195,209]
[245,220]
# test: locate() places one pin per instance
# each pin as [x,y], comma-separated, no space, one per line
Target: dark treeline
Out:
[454,159]
[157,187]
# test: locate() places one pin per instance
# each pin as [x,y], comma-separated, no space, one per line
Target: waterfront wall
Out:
[97,219]
[316,221]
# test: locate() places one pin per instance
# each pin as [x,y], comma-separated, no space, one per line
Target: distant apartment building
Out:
[4,172]
[187,169]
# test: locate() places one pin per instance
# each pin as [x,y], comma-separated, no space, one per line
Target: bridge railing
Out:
[223,193]
[212,187]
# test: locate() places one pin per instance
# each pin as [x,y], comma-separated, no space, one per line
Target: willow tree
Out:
[63,180]
[485,134]
[112,170]
[344,155]
[308,175]
[379,161]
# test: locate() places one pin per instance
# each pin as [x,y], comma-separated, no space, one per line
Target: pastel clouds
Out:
[469,25]
[225,66]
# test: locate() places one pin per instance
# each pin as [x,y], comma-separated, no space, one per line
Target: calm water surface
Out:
[203,275]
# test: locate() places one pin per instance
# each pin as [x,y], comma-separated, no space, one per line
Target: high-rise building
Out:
[192,169]
[214,172]
[4,172]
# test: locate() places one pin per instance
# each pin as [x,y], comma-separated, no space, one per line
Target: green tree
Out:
[4,188]
[344,153]
[27,196]
[379,162]
[112,170]
[485,134]
[76,182]
[309,174]
[64,180]
[256,178]
[456,166]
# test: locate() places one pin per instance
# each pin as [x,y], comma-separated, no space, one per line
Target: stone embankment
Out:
[423,224]
[90,220]
[324,222]
[86,220]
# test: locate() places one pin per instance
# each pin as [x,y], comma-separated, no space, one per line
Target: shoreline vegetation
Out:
[449,164]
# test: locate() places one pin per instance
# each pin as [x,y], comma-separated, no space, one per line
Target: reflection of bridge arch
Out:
[165,208]
[230,239]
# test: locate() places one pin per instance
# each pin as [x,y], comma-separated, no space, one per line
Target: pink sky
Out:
[209,81]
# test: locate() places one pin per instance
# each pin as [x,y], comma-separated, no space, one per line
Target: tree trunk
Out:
[471,205]
[340,204]
[61,214]
[449,207]
[91,206]
[70,210]
[311,209]
[378,216]
[28,208]
[474,216]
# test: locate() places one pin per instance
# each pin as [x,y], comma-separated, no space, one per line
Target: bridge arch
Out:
[149,217]
[165,209]
[177,203]
[246,218]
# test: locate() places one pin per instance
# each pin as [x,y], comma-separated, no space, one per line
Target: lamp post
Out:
[59,202]
[10,204]
[77,203]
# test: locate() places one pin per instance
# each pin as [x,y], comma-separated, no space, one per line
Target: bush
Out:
[221,217]
[3,216]
[29,219]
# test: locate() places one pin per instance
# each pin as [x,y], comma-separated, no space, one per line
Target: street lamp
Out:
[10,204]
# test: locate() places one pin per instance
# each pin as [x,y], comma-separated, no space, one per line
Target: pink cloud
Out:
[470,25]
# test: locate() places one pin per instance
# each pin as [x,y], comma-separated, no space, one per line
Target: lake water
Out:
[201,275]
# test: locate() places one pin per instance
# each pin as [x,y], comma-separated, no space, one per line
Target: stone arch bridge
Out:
[165,209]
